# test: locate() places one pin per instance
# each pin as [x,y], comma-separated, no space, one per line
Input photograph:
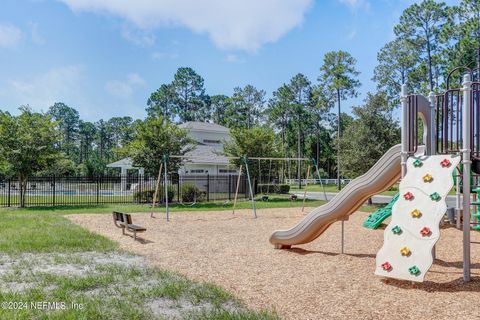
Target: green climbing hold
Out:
[417,163]
[414,270]
[396,230]
[435,196]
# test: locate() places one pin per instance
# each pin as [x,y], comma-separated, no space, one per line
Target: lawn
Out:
[45,258]
[334,189]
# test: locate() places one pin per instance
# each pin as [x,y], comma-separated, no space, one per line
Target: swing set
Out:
[244,164]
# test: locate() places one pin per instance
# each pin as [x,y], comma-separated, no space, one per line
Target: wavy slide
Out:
[379,178]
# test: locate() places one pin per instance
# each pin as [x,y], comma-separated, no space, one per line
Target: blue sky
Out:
[105,57]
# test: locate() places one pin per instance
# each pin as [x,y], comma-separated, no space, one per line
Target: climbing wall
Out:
[414,229]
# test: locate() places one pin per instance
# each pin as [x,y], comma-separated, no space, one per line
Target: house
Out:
[206,156]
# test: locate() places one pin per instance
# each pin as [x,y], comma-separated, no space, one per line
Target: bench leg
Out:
[134,235]
[123,231]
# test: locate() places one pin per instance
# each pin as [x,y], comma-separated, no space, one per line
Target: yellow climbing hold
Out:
[427,178]
[416,213]
[405,251]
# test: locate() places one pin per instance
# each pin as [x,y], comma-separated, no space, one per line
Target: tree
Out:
[254,142]
[219,106]
[301,103]
[421,25]
[28,144]
[339,77]
[68,120]
[396,60]
[86,137]
[278,113]
[162,103]
[372,132]
[190,99]
[154,138]
[246,107]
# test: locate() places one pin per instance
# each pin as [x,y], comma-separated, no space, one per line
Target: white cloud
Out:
[10,36]
[139,37]
[234,24]
[37,38]
[233,58]
[356,4]
[42,91]
[124,89]
[164,56]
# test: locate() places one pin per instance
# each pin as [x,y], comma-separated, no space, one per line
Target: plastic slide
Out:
[414,229]
[375,219]
[379,178]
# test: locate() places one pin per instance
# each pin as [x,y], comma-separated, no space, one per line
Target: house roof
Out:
[204,126]
[203,154]
[122,163]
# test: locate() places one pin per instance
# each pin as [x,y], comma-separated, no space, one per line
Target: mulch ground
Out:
[311,281]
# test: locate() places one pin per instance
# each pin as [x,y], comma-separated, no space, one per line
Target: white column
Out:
[466,115]
[123,179]
[403,100]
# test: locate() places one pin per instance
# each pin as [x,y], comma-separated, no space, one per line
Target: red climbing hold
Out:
[425,231]
[445,163]
[386,266]
[408,196]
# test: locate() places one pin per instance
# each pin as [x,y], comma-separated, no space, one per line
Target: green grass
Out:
[34,232]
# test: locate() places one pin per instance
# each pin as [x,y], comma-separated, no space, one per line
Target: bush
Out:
[190,193]
[146,196]
[283,188]
[274,188]
[267,188]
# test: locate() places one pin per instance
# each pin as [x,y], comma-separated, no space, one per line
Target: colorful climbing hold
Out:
[417,163]
[386,266]
[416,213]
[414,270]
[445,163]
[425,231]
[396,230]
[427,178]
[405,251]
[435,196]
[408,196]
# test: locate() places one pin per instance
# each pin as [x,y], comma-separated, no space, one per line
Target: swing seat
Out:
[265,198]
[293,197]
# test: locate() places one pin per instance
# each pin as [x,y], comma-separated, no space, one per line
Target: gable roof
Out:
[204,126]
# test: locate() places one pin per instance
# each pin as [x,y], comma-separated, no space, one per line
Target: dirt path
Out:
[311,281]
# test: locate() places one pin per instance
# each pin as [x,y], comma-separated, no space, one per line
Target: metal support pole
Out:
[166,187]
[236,189]
[404,131]
[250,187]
[157,185]
[466,174]
[343,236]
[320,179]
[433,134]
[305,192]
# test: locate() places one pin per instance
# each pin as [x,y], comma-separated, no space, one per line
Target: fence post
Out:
[98,189]
[178,189]
[54,189]
[208,187]
[9,189]
[229,187]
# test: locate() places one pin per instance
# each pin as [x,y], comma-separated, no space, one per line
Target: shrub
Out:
[283,188]
[190,193]
[146,196]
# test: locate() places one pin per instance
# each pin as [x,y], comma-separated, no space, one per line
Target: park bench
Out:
[124,221]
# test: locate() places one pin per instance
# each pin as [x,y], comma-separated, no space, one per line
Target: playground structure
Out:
[245,163]
[451,135]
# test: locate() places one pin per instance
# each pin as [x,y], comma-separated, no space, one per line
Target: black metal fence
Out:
[77,190]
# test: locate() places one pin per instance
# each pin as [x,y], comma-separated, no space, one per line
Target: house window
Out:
[197,171]
[211,141]
[227,171]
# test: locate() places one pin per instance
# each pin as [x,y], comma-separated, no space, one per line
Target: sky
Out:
[105,57]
